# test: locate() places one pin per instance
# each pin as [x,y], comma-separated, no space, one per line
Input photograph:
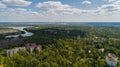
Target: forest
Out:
[71,45]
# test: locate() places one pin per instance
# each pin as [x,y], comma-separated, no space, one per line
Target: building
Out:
[78,37]
[32,46]
[102,49]
[95,39]
[89,51]
[13,51]
[111,60]
[39,48]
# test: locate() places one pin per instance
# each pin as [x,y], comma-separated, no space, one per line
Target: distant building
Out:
[13,51]
[89,51]
[78,37]
[36,27]
[32,46]
[111,60]
[39,48]
[95,39]
[102,49]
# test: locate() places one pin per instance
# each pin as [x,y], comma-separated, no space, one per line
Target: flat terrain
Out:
[8,31]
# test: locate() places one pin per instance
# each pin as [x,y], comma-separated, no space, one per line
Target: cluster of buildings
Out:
[30,47]
[111,59]
[98,40]
[101,50]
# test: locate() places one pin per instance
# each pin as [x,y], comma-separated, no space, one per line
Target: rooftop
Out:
[111,57]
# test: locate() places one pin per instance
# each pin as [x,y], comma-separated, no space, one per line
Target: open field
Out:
[5,31]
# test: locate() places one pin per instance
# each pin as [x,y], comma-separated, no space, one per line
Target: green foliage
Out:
[67,46]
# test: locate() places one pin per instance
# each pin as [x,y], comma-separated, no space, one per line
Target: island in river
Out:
[8,31]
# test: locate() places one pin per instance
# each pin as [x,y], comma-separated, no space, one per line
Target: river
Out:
[21,28]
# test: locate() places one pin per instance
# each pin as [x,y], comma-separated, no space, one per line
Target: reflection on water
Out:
[21,29]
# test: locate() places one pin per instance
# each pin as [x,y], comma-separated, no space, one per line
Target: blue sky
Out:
[59,10]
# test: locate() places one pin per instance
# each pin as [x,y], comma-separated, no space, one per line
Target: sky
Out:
[59,10]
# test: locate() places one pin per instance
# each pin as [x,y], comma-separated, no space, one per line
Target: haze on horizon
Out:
[59,10]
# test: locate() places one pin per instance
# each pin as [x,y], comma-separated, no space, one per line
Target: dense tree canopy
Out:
[67,46]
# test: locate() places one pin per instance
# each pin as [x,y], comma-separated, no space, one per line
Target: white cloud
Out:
[16,10]
[18,13]
[56,7]
[66,11]
[112,8]
[111,0]
[2,5]
[52,4]
[87,2]
[57,11]
[17,2]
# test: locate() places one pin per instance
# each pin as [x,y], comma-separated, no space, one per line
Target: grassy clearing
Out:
[8,31]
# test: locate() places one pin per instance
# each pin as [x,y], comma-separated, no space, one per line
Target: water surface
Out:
[21,28]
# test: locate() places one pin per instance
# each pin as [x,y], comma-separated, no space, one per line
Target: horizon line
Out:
[62,22]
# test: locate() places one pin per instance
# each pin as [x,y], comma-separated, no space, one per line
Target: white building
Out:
[13,51]
[30,47]
[102,49]
[111,60]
